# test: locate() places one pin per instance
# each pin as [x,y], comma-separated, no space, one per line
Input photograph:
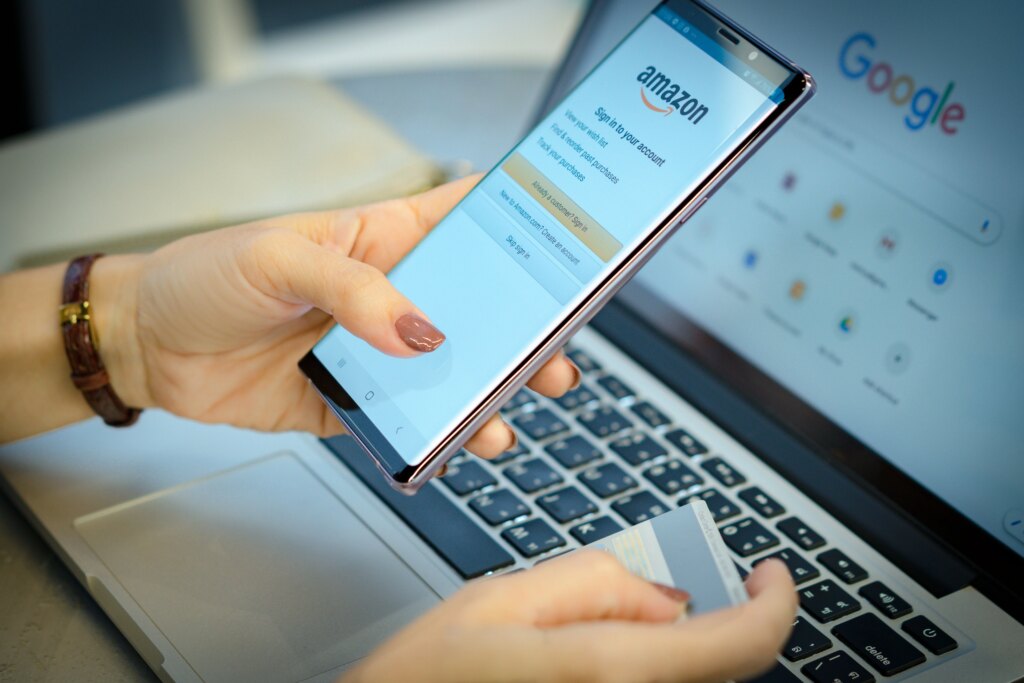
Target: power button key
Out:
[928,634]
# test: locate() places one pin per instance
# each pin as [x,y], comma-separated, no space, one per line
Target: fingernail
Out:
[515,439]
[418,334]
[577,376]
[672,592]
[443,471]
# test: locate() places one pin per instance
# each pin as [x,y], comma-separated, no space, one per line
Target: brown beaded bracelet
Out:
[82,347]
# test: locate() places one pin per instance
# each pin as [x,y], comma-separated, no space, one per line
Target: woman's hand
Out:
[585,618]
[211,327]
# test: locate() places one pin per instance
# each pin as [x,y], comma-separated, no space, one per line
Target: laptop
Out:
[829,354]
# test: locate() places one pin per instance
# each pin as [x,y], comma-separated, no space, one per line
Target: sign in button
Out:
[536,222]
[501,228]
[558,204]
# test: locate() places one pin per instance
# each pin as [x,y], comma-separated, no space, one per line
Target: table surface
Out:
[50,628]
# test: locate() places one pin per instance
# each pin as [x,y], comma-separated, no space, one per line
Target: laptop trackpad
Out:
[257,573]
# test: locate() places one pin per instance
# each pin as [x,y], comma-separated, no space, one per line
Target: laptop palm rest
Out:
[257,573]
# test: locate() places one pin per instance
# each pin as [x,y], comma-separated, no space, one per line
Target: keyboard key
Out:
[743,572]
[540,424]
[763,504]
[499,506]
[779,674]
[639,507]
[521,398]
[595,529]
[444,526]
[838,667]
[747,537]
[533,537]
[573,451]
[826,601]
[684,441]
[604,421]
[585,363]
[649,414]
[805,641]
[721,507]
[566,504]
[673,477]
[466,477]
[801,534]
[723,472]
[532,475]
[876,643]
[800,569]
[637,448]
[615,386]
[511,454]
[607,480]
[928,634]
[842,566]
[574,398]
[887,602]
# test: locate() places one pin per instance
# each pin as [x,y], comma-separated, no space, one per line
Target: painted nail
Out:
[418,334]
[515,439]
[671,592]
[577,376]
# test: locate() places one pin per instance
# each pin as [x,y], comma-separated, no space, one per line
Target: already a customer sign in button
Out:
[566,211]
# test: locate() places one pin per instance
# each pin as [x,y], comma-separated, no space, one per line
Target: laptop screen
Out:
[868,257]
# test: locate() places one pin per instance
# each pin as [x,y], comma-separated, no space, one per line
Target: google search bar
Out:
[944,203]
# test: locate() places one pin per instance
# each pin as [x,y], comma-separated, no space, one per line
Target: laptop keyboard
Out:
[603,457]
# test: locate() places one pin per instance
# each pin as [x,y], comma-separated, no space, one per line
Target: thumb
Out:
[357,295]
[587,585]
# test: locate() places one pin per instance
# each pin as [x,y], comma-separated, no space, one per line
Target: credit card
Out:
[683,549]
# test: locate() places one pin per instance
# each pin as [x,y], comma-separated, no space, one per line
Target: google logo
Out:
[926,107]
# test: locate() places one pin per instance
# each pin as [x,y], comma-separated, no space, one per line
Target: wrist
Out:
[114,295]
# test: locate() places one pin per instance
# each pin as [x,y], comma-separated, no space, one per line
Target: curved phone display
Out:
[559,218]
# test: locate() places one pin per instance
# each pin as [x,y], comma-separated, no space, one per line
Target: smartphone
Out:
[556,228]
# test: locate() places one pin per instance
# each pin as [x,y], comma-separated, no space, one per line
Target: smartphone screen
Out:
[558,216]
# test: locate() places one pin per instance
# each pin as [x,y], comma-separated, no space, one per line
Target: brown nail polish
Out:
[671,592]
[577,376]
[418,334]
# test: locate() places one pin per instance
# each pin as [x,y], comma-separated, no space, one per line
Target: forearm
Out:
[36,393]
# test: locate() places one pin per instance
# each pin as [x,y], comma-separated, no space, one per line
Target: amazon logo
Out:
[666,97]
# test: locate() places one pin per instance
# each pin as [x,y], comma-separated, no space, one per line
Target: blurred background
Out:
[71,59]
[150,120]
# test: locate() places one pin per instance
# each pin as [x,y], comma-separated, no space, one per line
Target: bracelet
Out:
[82,347]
